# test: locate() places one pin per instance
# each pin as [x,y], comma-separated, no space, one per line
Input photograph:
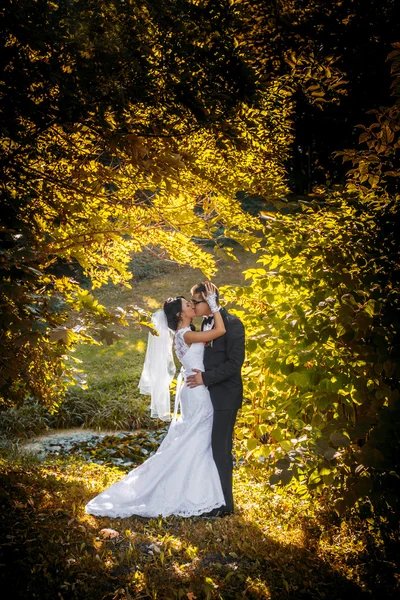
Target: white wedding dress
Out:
[181,478]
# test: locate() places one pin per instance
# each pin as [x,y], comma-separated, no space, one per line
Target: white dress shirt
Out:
[209,326]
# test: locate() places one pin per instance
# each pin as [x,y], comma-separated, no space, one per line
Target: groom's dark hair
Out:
[201,288]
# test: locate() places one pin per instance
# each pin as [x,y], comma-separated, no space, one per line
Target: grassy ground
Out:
[154,284]
[274,547]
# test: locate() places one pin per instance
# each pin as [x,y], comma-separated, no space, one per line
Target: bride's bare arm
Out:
[191,337]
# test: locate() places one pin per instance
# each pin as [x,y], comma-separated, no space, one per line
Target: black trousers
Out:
[221,440]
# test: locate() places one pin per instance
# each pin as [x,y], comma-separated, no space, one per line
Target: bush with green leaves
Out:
[99,408]
[32,418]
[322,315]
[321,377]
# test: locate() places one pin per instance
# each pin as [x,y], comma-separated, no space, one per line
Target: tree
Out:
[126,126]
[359,35]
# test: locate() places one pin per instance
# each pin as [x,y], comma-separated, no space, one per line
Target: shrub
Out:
[324,335]
[97,408]
[27,420]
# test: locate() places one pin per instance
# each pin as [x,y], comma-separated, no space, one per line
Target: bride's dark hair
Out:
[172,309]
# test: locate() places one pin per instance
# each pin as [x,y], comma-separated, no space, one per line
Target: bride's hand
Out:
[211,296]
[211,286]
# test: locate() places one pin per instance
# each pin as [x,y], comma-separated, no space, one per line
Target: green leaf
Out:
[325,470]
[299,379]
[370,307]
[265,451]
[340,330]
[274,479]
[330,454]
[262,429]
[339,439]
[274,263]
[363,321]
[61,334]
[277,434]
[252,443]
[286,476]
[322,444]
[323,402]
[286,445]
[388,366]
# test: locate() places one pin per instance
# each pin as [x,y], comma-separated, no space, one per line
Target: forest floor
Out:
[276,546]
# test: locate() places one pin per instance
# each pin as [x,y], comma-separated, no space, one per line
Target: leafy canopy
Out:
[128,126]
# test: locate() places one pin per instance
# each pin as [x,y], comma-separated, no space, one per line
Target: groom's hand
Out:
[194,380]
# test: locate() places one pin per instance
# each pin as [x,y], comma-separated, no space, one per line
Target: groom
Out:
[223,359]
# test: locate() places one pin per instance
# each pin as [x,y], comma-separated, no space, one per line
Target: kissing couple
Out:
[191,472]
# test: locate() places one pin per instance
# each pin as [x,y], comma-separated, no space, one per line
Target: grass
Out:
[112,399]
[275,546]
[152,291]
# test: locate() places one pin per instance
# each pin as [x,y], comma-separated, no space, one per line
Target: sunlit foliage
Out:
[322,314]
[128,126]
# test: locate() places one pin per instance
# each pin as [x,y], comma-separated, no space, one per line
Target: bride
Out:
[181,478]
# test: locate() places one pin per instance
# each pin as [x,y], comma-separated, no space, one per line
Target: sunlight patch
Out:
[140,346]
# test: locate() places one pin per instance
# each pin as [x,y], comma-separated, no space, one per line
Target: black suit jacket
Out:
[223,363]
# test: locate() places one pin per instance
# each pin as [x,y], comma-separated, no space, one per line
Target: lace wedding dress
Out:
[181,478]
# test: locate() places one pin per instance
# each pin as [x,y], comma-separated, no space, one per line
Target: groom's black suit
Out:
[222,376]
